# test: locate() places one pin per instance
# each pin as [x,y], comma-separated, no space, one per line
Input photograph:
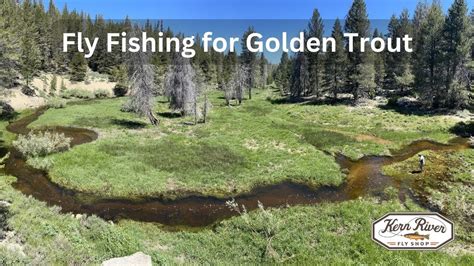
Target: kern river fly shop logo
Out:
[412,231]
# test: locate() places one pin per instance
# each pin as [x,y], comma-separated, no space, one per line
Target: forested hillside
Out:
[438,72]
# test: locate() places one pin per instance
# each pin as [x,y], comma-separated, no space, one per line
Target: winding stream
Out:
[364,177]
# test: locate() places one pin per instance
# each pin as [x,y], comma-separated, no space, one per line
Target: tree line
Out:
[439,71]
[31,43]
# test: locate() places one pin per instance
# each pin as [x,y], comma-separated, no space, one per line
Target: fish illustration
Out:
[417,236]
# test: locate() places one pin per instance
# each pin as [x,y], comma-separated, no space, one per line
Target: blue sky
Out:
[193,17]
[232,9]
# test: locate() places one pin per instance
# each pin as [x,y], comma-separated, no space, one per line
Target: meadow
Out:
[240,147]
[260,142]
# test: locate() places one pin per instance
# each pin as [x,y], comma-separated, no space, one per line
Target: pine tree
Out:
[10,25]
[360,72]
[53,85]
[300,80]
[315,65]
[30,59]
[398,67]
[334,74]
[230,66]
[249,61]
[456,46]
[379,63]
[391,58]
[282,74]
[472,34]
[78,67]
[428,66]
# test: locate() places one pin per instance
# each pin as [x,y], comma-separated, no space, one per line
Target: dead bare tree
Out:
[142,85]
[234,89]
[181,87]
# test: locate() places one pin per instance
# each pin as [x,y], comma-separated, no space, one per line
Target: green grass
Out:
[447,184]
[324,234]
[239,148]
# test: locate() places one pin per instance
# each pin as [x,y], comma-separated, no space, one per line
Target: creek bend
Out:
[364,177]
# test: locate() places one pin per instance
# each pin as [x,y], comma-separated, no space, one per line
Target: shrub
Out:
[101,93]
[41,144]
[42,163]
[28,91]
[6,110]
[56,103]
[53,85]
[120,90]
[77,93]
[63,86]
[127,107]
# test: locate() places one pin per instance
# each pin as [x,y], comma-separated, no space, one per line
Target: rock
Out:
[137,259]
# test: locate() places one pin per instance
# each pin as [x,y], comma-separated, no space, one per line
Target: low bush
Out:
[56,103]
[127,107]
[28,91]
[42,163]
[120,90]
[6,110]
[101,93]
[41,144]
[77,93]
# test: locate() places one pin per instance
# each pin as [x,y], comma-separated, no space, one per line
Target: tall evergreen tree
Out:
[300,80]
[379,63]
[399,75]
[360,72]
[334,74]
[315,61]
[282,74]
[428,67]
[30,58]
[249,61]
[456,46]
[10,25]
[78,67]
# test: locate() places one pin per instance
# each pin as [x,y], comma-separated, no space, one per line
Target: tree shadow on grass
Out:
[287,100]
[312,101]
[129,123]
[170,115]
[330,101]
[416,110]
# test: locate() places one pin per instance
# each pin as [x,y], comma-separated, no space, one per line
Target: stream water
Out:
[364,177]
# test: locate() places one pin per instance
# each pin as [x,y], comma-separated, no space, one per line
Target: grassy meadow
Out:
[260,142]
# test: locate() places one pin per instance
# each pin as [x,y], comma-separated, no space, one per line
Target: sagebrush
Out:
[38,144]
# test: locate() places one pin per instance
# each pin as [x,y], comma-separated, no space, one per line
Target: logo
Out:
[412,231]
